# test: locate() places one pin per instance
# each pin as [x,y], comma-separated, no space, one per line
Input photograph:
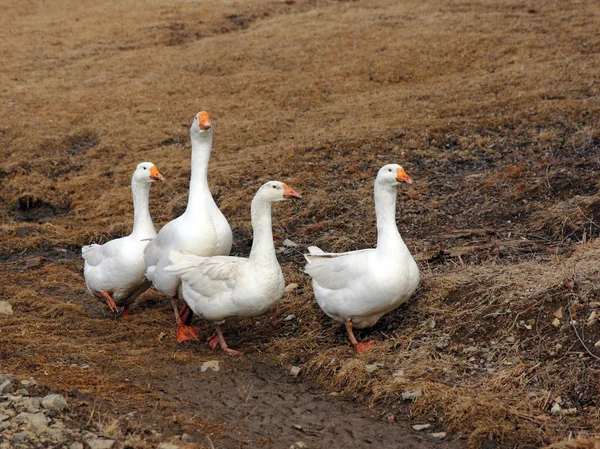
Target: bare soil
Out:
[493,109]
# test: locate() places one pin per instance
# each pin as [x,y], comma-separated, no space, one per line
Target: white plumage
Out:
[201,229]
[221,288]
[359,287]
[115,271]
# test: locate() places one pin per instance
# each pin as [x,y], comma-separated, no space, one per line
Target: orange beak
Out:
[204,121]
[155,174]
[289,192]
[402,176]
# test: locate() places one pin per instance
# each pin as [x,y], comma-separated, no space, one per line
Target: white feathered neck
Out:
[263,249]
[389,241]
[142,222]
[199,191]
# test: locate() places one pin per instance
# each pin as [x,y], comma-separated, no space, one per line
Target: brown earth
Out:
[491,106]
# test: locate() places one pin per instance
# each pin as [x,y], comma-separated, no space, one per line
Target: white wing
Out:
[208,276]
[92,254]
[335,271]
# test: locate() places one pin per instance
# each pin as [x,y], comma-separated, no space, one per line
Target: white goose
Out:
[114,272]
[221,288]
[201,229]
[359,287]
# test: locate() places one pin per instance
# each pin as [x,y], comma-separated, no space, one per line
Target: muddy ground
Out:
[492,107]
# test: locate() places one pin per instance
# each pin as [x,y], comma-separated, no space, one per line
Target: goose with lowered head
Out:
[222,288]
[114,272]
[359,287]
[201,229]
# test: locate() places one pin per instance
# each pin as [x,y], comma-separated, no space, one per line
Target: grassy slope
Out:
[492,107]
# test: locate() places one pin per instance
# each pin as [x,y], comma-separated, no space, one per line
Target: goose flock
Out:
[188,259]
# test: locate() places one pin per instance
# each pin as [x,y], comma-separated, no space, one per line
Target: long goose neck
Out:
[201,146]
[142,222]
[388,237]
[263,249]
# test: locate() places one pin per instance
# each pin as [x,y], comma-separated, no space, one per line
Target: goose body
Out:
[359,287]
[115,270]
[222,288]
[201,230]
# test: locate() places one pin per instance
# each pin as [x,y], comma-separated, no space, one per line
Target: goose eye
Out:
[390,170]
[274,187]
[144,168]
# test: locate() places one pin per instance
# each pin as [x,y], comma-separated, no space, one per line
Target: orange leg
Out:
[213,340]
[184,332]
[360,347]
[186,314]
[125,313]
[109,300]
[224,346]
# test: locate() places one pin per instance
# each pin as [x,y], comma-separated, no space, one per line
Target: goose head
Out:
[274,191]
[201,124]
[392,175]
[146,172]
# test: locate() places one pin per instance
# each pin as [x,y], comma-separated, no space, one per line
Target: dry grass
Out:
[491,106]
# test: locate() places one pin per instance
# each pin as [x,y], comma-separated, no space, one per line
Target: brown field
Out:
[491,106]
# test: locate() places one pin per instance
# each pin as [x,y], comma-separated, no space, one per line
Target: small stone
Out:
[419,427]
[36,421]
[412,395]
[213,366]
[29,382]
[597,344]
[399,373]
[511,339]
[23,392]
[288,243]
[594,305]
[556,408]
[6,387]
[558,313]
[4,377]
[3,417]
[592,318]
[23,436]
[555,322]
[299,445]
[186,438]
[291,287]
[54,402]
[438,435]
[371,368]
[76,445]
[99,443]
[5,308]
[442,344]
[295,371]
[432,324]
[289,317]
[167,446]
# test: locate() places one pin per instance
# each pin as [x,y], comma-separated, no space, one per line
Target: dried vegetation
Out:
[491,106]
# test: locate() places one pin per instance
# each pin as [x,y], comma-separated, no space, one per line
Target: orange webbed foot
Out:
[185,333]
[362,347]
[232,352]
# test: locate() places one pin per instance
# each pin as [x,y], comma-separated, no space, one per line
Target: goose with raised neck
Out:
[201,229]
[224,288]
[115,272]
[359,287]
